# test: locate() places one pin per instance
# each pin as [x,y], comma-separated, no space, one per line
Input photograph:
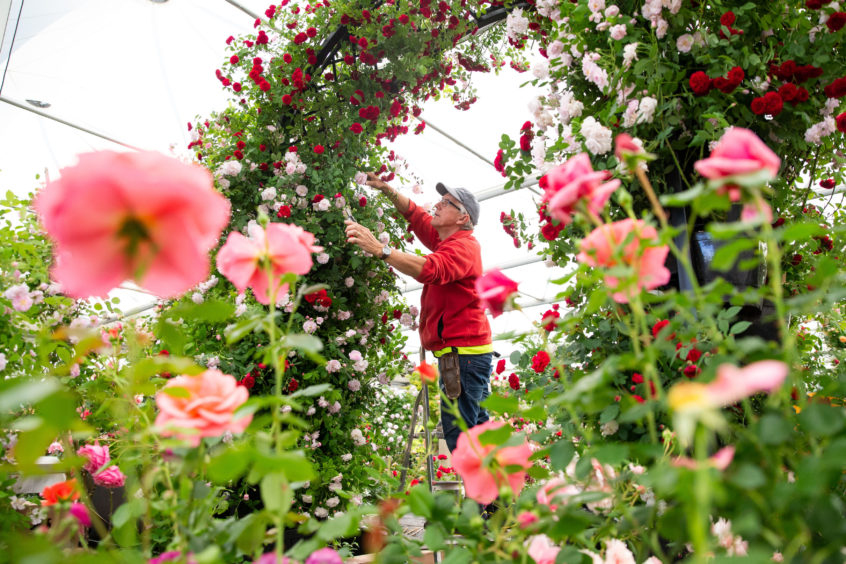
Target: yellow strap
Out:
[477,349]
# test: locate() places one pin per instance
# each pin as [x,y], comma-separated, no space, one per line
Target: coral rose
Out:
[602,247]
[62,491]
[495,290]
[481,482]
[574,181]
[208,409]
[428,372]
[738,152]
[287,248]
[139,216]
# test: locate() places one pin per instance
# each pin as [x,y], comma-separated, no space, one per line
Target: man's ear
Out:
[462,219]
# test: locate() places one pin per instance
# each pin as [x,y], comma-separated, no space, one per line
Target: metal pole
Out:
[245,10]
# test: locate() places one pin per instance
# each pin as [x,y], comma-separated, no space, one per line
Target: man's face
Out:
[448,211]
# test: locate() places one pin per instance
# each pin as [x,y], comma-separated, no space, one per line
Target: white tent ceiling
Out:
[137,71]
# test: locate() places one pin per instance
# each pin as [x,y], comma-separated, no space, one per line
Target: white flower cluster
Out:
[597,138]
[734,545]
[516,25]
[358,437]
[593,72]
[293,165]
[816,132]
[22,299]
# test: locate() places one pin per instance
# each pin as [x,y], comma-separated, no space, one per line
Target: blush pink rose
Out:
[111,477]
[482,483]
[212,399]
[720,460]
[139,216]
[603,248]
[732,384]
[556,490]
[574,181]
[80,513]
[98,456]
[542,550]
[495,290]
[738,152]
[287,248]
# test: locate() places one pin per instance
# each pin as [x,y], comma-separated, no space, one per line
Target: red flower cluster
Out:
[320,298]
[319,149]
[356,128]
[514,381]
[284,211]
[789,71]
[836,21]
[540,361]
[770,103]
[362,201]
[247,381]
[370,112]
[732,80]
[837,89]
[550,317]
[700,83]
[727,20]
[499,165]
[510,227]
[526,137]
[659,325]
[293,385]
[500,366]
[840,120]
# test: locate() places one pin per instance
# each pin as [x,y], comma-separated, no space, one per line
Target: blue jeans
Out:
[475,370]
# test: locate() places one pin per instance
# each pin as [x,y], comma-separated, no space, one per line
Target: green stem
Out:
[701,509]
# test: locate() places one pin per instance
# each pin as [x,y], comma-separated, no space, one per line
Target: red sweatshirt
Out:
[451,314]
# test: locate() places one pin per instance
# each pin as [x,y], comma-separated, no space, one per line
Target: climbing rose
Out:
[481,482]
[495,290]
[739,152]
[140,216]
[212,399]
[600,249]
[540,361]
[111,477]
[286,247]
[574,181]
[98,456]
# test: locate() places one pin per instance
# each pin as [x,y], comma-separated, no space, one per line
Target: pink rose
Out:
[733,384]
[573,181]
[542,550]
[527,519]
[80,513]
[738,152]
[286,247]
[212,399]
[98,456]
[625,145]
[324,556]
[111,477]
[556,490]
[495,290]
[720,460]
[601,248]
[481,482]
[139,216]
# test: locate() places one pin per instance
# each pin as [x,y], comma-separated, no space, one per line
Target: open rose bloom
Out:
[208,410]
[131,216]
[495,289]
[574,181]
[738,153]
[285,248]
[604,247]
[482,483]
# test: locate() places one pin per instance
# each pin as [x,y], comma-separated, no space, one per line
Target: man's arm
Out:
[400,202]
[407,263]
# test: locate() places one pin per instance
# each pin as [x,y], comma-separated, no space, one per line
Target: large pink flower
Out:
[732,384]
[287,248]
[542,550]
[739,151]
[139,216]
[212,399]
[573,181]
[602,247]
[482,483]
[110,477]
[98,456]
[495,289]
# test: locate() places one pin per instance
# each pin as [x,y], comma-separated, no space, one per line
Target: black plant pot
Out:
[104,501]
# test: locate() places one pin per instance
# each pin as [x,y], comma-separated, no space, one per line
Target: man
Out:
[452,317]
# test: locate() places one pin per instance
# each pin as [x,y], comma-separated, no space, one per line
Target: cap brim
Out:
[442,188]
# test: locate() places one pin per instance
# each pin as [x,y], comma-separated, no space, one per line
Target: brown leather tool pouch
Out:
[450,374]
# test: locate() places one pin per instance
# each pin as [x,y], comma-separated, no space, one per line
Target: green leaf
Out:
[609,413]
[822,419]
[229,465]
[276,493]
[774,429]
[612,454]
[727,254]
[176,392]
[303,342]
[420,501]
[211,311]
[433,538]
[515,357]
[560,454]
[495,436]
[500,404]
[27,393]
[244,327]
[337,527]
[801,232]
[740,327]
[748,477]
[459,555]
[311,391]
[252,535]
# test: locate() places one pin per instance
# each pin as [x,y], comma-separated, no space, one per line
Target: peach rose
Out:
[738,152]
[542,550]
[573,181]
[601,248]
[286,247]
[482,483]
[212,399]
[139,216]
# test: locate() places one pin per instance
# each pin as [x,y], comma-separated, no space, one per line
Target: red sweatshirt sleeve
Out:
[421,224]
[454,260]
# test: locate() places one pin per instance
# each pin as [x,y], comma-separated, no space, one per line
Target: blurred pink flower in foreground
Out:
[80,513]
[542,550]
[731,385]
[324,556]
[738,152]
[495,290]
[573,181]
[482,483]
[205,402]
[601,248]
[139,216]
[286,247]
[98,456]
[720,460]
[111,477]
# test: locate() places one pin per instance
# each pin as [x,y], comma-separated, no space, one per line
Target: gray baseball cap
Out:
[465,196]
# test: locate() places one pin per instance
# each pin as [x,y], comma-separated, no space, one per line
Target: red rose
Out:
[813,4]
[319,149]
[234,59]
[788,91]
[238,154]
[229,40]
[293,385]
[526,142]
[694,355]
[549,320]
[247,381]
[286,99]
[495,290]
[356,128]
[828,183]
[550,232]
[736,75]
[287,57]
[773,103]
[403,18]
[836,21]
[728,19]
[500,366]
[284,211]
[841,122]
[236,86]
[514,381]
[700,84]
[691,371]
[540,361]
[837,89]
[300,38]
[758,106]
[656,329]
[311,32]
[396,108]
[362,201]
